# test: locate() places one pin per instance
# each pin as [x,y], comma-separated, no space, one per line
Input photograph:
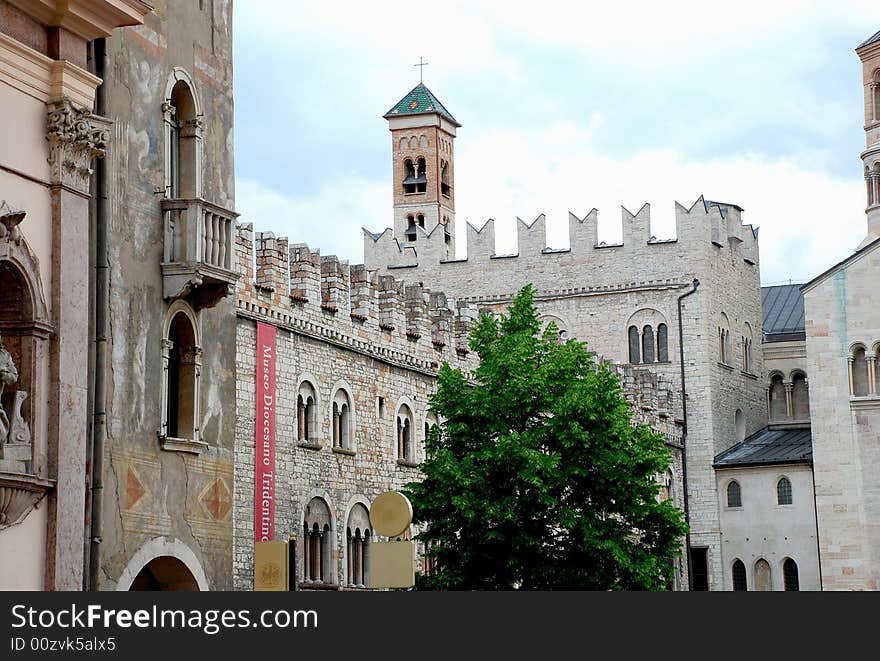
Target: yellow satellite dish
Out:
[391,513]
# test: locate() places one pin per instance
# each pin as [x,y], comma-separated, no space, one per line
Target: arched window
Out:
[181,358]
[763,579]
[734,494]
[648,344]
[316,542]
[411,234]
[342,431]
[783,491]
[739,425]
[747,348]
[429,559]
[445,187]
[778,403]
[800,398]
[662,340]
[430,426]
[409,176]
[724,339]
[404,434]
[306,413]
[876,98]
[183,131]
[357,535]
[868,180]
[420,220]
[859,375]
[665,487]
[790,575]
[739,576]
[634,354]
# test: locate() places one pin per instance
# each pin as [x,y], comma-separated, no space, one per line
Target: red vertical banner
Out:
[264,450]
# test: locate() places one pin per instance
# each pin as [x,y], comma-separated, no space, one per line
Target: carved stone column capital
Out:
[75,136]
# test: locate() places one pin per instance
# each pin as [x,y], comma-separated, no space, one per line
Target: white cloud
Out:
[330,220]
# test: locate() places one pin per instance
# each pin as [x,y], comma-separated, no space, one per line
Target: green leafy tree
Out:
[537,478]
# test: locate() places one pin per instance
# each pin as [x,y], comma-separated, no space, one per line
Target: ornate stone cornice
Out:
[76,136]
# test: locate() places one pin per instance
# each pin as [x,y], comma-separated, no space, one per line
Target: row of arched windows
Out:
[788,400]
[646,346]
[783,493]
[342,421]
[864,366]
[762,576]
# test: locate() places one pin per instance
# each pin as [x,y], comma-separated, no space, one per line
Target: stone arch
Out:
[160,547]
[404,419]
[777,400]
[858,369]
[358,536]
[763,576]
[316,431]
[342,404]
[739,424]
[647,336]
[738,575]
[182,111]
[429,421]
[733,493]
[800,396]
[181,378]
[747,363]
[318,539]
[561,325]
[724,353]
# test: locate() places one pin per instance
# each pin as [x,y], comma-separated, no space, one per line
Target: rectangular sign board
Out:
[392,564]
[270,567]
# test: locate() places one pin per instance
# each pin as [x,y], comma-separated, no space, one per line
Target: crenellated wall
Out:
[640,256]
[352,305]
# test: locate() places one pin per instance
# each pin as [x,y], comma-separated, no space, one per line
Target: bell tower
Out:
[422,143]
[869,53]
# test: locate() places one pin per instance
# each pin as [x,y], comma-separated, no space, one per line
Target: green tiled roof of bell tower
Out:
[419,101]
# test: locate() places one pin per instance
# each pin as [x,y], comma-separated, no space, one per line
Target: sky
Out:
[564,107]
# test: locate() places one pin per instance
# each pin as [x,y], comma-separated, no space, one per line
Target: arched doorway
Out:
[165,573]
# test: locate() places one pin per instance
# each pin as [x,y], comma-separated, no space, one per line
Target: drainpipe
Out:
[816,516]
[684,433]
[99,424]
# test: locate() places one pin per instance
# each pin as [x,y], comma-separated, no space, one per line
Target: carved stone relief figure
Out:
[8,377]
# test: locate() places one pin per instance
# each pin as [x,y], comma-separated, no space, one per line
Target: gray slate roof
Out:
[869,40]
[768,447]
[783,312]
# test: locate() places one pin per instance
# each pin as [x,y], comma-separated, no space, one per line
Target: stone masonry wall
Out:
[595,291]
[346,327]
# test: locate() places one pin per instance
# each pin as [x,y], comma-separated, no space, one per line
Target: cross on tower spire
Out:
[421,66]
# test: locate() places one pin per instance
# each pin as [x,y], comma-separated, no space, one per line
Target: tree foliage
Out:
[536,477]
